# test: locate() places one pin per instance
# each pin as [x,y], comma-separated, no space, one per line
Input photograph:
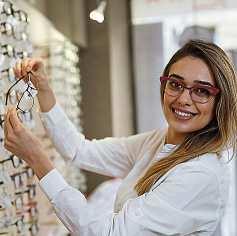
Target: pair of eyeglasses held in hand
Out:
[26,99]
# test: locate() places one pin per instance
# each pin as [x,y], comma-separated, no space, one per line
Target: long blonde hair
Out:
[221,132]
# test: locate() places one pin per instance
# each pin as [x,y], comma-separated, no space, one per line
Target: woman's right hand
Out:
[39,77]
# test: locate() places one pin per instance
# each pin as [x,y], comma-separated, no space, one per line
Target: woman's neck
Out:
[173,137]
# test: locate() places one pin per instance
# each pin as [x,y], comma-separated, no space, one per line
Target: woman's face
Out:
[182,113]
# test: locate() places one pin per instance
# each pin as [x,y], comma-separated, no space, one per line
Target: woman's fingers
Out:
[7,125]
[20,141]
[14,120]
[17,70]
[22,68]
[36,67]
[13,130]
[28,64]
[25,65]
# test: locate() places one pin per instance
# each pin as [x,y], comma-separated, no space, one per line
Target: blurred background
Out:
[104,59]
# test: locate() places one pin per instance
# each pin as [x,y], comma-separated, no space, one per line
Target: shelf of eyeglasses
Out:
[16,49]
[50,56]
[18,203]
[10,29]
[67,79]
[62,89]
[19,226]
[7,75]
[13,162]
[57,47]
[60,70]
[69,104]
[60,57]
[67,97]
[19,207]
[16,181]
[10,51]
[9,11]
[73,113]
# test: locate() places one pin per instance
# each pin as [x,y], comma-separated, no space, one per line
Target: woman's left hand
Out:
[24,144]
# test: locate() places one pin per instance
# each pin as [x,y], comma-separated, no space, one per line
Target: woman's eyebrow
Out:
[203,82]
[195,81]
[177,76]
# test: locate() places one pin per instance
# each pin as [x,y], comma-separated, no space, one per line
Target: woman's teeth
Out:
[183,114]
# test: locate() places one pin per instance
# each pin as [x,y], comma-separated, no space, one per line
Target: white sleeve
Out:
[109,156]
[187,201]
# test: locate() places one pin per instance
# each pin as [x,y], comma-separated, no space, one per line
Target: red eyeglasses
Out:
[199,93]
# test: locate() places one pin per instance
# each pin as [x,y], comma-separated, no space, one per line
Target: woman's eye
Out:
[202,92]
[175,85]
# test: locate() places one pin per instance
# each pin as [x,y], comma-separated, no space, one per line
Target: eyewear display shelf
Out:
[24,210]
[18,204]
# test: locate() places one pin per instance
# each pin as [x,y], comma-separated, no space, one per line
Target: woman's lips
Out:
[182,114]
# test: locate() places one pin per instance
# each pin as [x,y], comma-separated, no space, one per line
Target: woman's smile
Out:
[182,114]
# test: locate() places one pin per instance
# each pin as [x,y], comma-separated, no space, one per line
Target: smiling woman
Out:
[198,127]
[192,108]
[174,180]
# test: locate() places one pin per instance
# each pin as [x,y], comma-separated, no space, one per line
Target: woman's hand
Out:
[39,79]
[24,144]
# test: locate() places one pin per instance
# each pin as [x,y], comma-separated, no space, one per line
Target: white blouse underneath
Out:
[188,200]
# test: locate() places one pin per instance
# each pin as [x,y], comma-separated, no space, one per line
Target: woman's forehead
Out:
[192,69]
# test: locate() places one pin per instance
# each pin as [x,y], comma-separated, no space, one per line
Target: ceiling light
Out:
[98,13]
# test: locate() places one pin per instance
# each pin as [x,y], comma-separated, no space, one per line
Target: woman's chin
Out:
[182,128]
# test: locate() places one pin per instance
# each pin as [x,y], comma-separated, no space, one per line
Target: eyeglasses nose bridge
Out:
[190,89]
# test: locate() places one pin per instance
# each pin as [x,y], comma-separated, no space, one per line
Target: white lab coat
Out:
[188,200]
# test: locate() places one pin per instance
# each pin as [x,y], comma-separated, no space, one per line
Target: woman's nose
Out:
[185,97]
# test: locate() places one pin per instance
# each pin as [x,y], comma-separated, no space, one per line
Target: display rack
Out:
[18,204]
[24,210]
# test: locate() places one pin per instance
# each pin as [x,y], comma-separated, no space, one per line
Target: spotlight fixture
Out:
[98,13]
